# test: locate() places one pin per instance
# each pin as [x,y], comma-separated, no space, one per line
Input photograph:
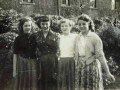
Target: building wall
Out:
[39,6]
[103,8]
[53,7]
[46,7]
[73,9]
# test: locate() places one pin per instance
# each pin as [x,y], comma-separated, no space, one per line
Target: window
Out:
[92,3]
[27,1]
[65,2]
[116,4]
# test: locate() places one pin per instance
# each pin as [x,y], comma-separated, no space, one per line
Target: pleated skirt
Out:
[88,77]
[26,74]
[66,74]
[48,72]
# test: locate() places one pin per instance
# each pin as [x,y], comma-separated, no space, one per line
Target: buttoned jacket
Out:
[48,44]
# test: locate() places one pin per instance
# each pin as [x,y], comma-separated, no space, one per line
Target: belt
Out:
[87,60]
[82,58]
[26,56]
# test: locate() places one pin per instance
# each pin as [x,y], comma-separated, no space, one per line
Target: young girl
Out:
[66,62]
[89,57]
[24,68]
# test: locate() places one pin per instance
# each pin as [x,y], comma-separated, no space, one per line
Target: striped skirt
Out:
[26,74]
[48,72]
[66,72]
[88,77]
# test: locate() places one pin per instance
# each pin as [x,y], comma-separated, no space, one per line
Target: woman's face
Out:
[27,27]
[83,26]
[45,26]
[65,28]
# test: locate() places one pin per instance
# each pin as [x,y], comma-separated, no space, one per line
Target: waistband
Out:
[87,60]
[26,56]
[47,53]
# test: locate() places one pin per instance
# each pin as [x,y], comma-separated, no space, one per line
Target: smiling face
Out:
[65,28]
[83,26]
[27,27]
[45,26]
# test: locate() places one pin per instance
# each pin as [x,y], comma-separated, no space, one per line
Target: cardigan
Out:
[93,48]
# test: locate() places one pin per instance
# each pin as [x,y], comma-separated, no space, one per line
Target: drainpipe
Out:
[58,7]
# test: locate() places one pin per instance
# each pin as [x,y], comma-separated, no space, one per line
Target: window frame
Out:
[27,2]
[66,4]
[93,4]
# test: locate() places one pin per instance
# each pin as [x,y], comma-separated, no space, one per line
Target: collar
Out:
[88,35]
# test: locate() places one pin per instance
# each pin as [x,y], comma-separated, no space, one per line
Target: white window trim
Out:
[64,4]
[27,3]
[113,5]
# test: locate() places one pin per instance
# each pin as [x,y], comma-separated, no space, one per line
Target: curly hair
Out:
[70,22]
[21,23]
[87,18]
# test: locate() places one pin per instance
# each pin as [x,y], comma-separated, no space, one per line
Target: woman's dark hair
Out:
[21,23]
[87,18]
[98,23]
[42,19]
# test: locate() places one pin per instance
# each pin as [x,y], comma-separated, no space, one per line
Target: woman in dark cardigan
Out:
[47,42]
[24,58]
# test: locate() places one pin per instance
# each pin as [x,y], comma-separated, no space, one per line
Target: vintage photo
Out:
[59,44]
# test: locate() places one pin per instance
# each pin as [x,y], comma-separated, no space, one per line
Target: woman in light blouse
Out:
[89,57]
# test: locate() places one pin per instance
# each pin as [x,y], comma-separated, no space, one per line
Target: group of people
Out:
[50,61]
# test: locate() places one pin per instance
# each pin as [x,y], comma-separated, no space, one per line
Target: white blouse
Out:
[67,45]
[81,45]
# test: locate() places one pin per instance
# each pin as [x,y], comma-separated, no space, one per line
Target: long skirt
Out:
[66,72]
[88,77]
[26,74]
[48,72]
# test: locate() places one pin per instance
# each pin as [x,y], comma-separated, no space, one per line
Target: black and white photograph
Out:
[59,44]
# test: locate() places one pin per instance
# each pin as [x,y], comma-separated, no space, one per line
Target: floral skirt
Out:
[26,74]
[88,77]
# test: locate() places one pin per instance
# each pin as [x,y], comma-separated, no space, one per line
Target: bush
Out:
[7,18]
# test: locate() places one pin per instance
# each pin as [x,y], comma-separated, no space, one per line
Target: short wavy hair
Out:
[87,18]
[70,23]
[42,19]
[21,23]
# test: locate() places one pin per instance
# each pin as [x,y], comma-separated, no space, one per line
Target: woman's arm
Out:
[58,46]
[101,57]
[14,64]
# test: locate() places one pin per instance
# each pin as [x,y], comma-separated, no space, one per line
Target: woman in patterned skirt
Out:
[24,58]
[89,57]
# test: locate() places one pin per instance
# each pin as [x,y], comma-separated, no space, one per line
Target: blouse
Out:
[67,45]
[25,46]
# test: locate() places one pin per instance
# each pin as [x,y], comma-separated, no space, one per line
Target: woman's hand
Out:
[111,77]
